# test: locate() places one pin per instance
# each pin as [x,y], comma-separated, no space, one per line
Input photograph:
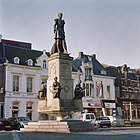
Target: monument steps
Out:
[58,126]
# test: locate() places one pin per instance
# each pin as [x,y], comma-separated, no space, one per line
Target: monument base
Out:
[60,109]
[78,104]
[56,106]
[58,126]
[42,105]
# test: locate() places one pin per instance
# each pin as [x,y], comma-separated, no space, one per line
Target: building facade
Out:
[97,82]
[127,86]
[24,69]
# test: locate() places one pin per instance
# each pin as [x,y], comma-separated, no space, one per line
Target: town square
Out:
[68,70]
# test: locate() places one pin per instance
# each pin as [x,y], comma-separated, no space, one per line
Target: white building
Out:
[25,69]
[98,84]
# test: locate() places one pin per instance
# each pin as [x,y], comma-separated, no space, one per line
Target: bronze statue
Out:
[42,94]
[56,88]
[59,44]
[79,91]
[59,27]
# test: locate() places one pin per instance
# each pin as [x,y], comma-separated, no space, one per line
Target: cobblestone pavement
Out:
[100,134]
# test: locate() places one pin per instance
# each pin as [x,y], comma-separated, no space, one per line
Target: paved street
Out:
[132,133]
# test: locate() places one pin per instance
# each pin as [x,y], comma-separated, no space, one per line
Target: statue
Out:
[59,44]
[42,94]
[56,88]
[79,91]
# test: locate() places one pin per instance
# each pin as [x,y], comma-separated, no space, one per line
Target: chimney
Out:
[125,70]
[94,56]
[44,52]
[80,54]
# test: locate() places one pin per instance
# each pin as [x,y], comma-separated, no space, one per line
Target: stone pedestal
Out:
[60,66]
[56,104]
[42,105]
[78,104]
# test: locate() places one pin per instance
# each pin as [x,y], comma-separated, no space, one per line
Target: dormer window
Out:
[30,62]
[16,60]
[44,64]
[103,72]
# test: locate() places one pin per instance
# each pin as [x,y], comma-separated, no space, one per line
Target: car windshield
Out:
[102,118]
[23,119]
[87,116]
[2,119]
[12,119]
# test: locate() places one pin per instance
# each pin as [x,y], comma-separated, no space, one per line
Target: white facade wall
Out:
[106,81]
[37,73]
[94,100]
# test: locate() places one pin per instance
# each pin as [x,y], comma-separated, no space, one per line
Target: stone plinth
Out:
[56,104]
[78,104]
[60,66]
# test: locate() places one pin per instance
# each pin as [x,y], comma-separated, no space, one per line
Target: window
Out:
[103,72]
[15,109]
[92,116]
[88,117]
[29,106]
[91,90]
[88,75]
[16,83]
[88,89]
[16,60]
[108,92]
[44,64]
[30,62]
[29,84]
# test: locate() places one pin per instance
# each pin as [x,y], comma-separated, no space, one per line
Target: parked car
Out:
[6,124]
[88,117]
[103,121]
[19,122]
[23,121]
[16,123]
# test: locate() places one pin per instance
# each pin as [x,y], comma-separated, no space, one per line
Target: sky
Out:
[108,28]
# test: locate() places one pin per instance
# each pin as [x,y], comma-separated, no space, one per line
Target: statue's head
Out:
[60,15]
[55,79]
[79,82]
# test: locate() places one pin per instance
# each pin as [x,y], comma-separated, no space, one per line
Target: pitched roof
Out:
[23,53]
[116,72]
[96,65]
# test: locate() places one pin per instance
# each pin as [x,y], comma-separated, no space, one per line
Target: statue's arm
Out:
[55,25]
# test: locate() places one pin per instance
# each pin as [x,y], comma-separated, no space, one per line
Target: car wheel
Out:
[109,125]
[99,125]
[18,128]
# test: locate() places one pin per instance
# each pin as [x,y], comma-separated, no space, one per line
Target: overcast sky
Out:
[108,28]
